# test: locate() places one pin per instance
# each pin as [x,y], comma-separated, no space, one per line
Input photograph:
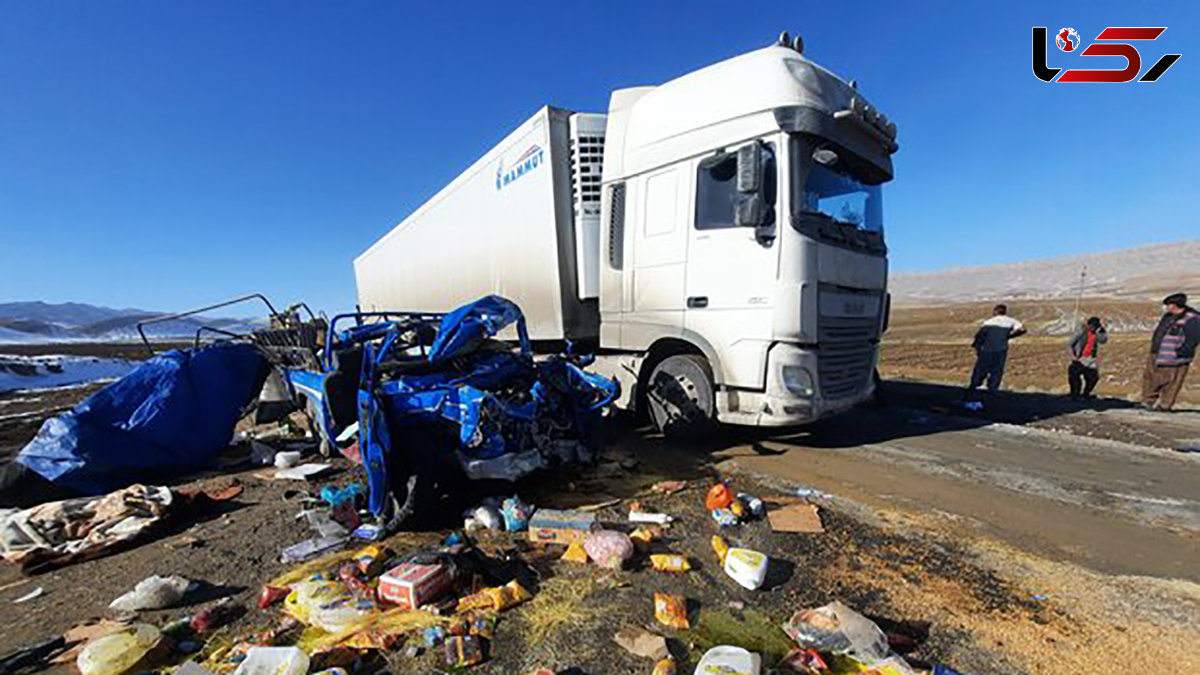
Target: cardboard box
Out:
[410,585]
[549,526]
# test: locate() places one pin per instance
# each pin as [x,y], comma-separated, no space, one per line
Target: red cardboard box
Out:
[411,585]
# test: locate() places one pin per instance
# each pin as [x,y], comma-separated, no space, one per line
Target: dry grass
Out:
[562,602]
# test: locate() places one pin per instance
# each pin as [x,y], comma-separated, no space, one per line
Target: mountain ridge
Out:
[37,321]
[1141,272]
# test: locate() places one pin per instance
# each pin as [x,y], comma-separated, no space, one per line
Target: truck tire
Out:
[679,396]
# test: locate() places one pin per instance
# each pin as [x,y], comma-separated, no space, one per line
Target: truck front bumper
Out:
[792,396]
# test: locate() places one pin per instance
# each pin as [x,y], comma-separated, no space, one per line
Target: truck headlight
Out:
[798,380]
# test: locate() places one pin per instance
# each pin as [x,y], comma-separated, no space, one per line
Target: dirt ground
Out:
[934,344]
[946,592]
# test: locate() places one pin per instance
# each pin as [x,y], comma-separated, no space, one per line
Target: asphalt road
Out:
[1059,480]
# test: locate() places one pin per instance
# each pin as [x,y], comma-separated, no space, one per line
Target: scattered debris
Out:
[575,553]
[642,642]
[838,629]
[76,528]
[608,548]
[718,497]
[154,592]
[35,593]
[648,517]
[670,562]
[412,585]
[310,548]
[301,471]
[796,518]
[669,487]
[747,567]
[274,661]
[119,652]
[560,527]
[729,661]
[671,610]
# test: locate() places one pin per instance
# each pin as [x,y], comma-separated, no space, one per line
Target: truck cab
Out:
[743,266]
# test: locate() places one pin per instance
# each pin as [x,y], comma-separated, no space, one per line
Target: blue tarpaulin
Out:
[172,414]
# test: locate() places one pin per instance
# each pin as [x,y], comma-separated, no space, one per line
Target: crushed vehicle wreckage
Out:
[429,400]
[437,398]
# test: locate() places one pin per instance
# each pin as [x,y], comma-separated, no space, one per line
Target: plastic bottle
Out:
[273,661]
[748,568]
[728,660]
[117,653]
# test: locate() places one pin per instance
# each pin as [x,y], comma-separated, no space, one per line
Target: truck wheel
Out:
[679,395]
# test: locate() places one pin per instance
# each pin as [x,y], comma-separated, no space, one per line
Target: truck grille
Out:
[847,351]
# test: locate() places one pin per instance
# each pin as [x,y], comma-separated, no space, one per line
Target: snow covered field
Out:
[42,372]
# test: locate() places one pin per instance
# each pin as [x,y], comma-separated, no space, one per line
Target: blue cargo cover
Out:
[172,414]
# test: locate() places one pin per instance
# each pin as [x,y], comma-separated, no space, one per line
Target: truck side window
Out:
[616,227]
[716,189]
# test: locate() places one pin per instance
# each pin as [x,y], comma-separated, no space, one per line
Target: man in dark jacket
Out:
[1084,371]
[1172,349]
[991,353]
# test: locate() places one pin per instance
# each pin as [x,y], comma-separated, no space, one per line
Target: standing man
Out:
[1084,371]
[991,353]
[1172,349]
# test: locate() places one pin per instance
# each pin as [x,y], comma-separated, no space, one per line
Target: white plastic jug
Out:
[273,661]
[727,660]
[748,568]
[116,653]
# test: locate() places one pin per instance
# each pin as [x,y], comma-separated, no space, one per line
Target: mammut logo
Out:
[527,162]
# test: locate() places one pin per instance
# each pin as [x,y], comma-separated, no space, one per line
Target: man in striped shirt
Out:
[1172,349]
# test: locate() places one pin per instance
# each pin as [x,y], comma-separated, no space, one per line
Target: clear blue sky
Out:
[163,155]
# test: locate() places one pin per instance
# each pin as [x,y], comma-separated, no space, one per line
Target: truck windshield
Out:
[841,197]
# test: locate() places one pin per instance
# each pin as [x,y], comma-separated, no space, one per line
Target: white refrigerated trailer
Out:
[718,239]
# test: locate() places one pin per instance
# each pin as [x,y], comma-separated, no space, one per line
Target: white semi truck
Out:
[716,239]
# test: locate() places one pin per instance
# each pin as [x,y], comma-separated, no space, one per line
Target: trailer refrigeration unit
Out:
[718,239]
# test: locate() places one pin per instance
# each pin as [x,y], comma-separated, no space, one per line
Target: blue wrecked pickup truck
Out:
[437,399]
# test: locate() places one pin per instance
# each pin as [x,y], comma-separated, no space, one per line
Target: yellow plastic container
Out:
[116,653]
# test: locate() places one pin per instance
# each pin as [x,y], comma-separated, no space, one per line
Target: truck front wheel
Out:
[679,395]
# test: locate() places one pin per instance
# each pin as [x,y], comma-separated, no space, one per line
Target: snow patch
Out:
[44,372]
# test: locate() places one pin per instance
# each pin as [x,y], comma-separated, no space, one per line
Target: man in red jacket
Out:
[1172,348]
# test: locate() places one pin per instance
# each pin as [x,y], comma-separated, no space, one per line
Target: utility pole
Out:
[1079,295]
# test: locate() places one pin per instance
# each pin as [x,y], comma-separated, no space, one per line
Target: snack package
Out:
[720,547]
[670,562]
[575,553]
[671,610]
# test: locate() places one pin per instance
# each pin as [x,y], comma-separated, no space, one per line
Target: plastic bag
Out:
[273,661]
[726,660]
[327,605]
[118,652]
[671,610]
[608,548]
[670,562]
[719,497]
[837,628]
[153,593]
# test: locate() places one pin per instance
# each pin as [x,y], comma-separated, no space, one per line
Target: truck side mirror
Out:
[748,211]
[749,169]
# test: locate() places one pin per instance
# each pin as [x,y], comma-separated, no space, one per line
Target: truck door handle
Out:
[697,302]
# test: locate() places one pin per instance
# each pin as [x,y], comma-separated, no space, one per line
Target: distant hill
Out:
[1144,273]
[73,321]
